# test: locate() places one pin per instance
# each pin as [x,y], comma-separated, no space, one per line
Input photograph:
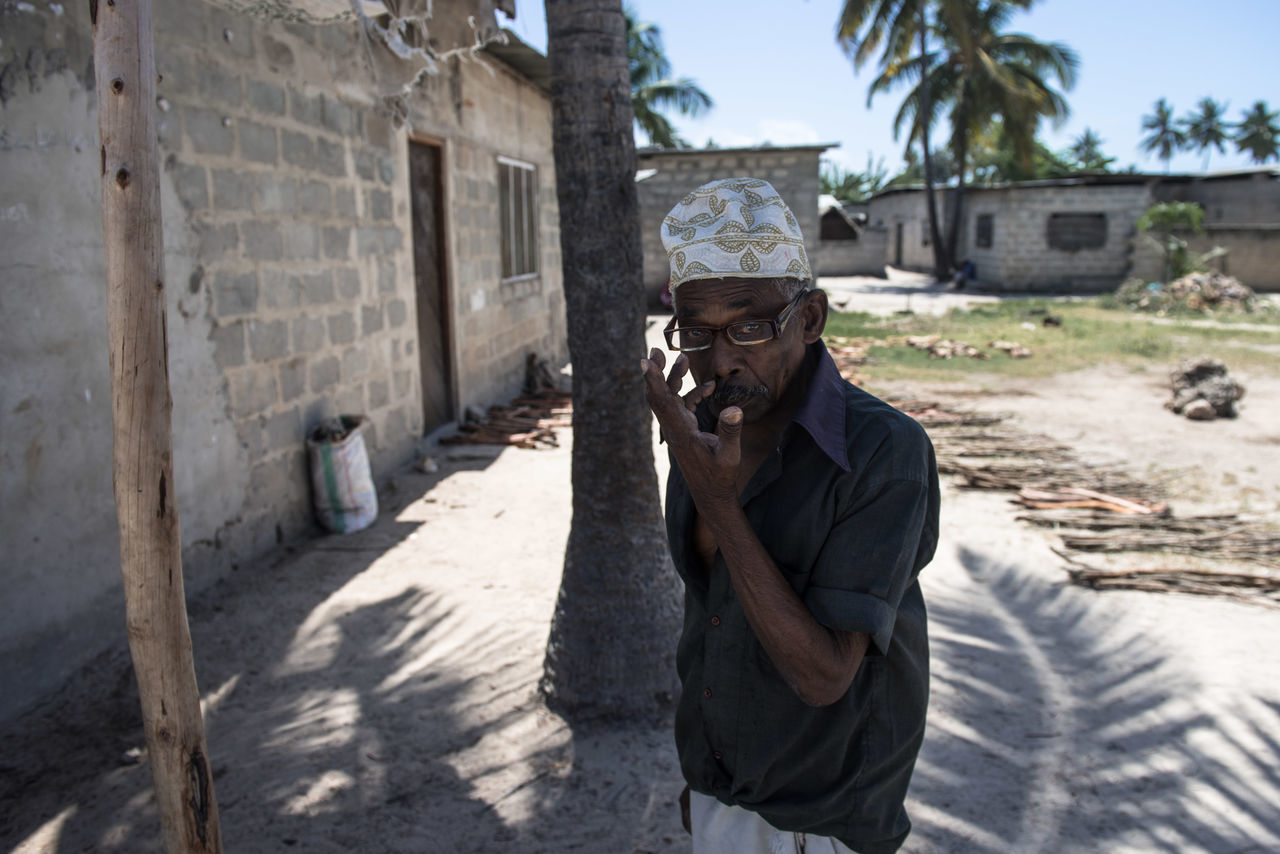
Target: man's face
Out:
[753,378]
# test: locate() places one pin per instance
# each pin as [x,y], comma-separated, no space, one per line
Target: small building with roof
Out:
[1078,234]
[848,244]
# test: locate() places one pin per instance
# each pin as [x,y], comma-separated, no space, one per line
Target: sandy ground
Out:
[377,692]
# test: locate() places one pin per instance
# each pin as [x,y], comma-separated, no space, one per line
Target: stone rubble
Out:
[1203,389]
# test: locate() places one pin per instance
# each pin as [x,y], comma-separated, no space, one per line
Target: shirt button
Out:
[717,754]
[715,621]
[706,692]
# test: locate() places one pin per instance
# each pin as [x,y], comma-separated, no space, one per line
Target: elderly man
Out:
[800,510]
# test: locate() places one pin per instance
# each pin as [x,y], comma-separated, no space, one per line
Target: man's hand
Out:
[708,461]
[817,662]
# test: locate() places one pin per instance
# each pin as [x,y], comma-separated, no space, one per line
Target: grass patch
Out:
[1091,334]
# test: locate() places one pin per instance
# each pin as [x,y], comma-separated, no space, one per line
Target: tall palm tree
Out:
[611,651]
[1206,128]
[653,89]
[862,28]
[1166,138]
[1087,152]
[1258,133]
[1000,76]
[984,76]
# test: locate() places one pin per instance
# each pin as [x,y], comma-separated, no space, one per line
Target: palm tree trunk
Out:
[611,652]
[940,266]
[142,464]
[961,137]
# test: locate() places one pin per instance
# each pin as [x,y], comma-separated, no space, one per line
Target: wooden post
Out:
[142,464]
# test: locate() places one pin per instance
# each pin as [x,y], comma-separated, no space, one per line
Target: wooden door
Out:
[897,246]
[434,343]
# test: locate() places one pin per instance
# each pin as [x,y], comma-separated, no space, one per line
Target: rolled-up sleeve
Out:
[885,530]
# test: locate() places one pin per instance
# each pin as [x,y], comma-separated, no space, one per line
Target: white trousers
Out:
[718,829]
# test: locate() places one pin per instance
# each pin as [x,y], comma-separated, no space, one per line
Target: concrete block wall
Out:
[287,228]
[1021,257]
[906,210]
[793,172]
[862,257]
[1236,200]
[1242,214]
[1253,254]
[295,192]
[482,112]
[58,545]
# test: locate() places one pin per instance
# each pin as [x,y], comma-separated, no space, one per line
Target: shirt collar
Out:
[822,413]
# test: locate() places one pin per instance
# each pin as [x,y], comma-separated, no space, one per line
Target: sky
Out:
[777,76]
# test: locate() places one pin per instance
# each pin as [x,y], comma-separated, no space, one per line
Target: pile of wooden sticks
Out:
[1103,510]
[529,421]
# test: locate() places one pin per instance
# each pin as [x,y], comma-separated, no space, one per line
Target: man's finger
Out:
[678,370]
[655,389]
[699,394]
[666,406]
[658,358]
[729,431]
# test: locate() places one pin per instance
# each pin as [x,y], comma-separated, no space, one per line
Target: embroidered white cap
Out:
[734,227]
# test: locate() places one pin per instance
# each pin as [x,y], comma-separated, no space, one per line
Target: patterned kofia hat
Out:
[735,227]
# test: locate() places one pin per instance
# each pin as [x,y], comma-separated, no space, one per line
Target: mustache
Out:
[736,395]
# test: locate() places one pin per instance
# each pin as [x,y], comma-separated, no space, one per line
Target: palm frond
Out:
[681,94]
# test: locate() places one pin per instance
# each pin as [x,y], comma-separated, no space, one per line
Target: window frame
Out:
[518,219]
[1055,241]
[984,231]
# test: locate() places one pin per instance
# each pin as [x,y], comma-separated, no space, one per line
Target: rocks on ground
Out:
[1203,389]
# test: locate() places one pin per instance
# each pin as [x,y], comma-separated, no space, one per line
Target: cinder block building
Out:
[1078,234]
[328,249]
[849,245]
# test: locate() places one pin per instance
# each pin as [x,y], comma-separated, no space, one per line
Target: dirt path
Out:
[377,692]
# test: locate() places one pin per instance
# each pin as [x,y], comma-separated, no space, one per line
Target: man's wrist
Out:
[724,517]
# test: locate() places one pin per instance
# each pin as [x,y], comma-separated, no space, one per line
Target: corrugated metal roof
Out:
[1098,179]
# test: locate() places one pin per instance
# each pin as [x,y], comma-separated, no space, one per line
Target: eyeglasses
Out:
[743,333]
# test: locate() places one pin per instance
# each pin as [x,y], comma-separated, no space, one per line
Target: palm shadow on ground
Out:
[352,704]
[357,702]
[1108,759]
[305,709]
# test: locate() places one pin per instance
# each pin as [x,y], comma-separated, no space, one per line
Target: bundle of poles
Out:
[1104,510]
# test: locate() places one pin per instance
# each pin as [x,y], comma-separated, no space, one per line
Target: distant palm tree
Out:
[1258,134]
[985,75]
[653,89]
[1166,137]
[1087,151]
[1206,128]
[864,26]
[851,185]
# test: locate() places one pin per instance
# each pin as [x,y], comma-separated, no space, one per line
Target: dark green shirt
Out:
[847,507]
